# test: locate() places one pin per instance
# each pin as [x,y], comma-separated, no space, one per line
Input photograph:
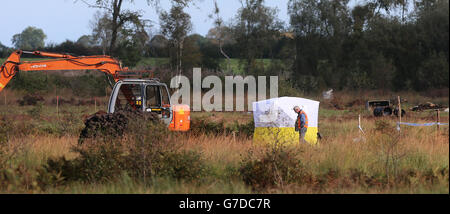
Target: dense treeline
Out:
[376,44]
[359,48]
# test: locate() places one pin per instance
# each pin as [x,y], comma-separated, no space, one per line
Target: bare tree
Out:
[218,21]
[119,17]
[101,30]
[256,29]
[175,26]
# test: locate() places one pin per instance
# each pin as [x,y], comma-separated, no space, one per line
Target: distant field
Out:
[236,68]
[153,62]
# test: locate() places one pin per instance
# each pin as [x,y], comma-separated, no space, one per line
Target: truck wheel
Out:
[396,112]
[387,111]
[378,112]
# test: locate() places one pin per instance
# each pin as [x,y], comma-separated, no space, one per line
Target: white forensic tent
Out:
[275,120]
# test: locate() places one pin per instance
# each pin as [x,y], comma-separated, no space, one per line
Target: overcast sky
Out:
[69,19]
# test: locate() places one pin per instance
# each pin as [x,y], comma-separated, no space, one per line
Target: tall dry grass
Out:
[344,161]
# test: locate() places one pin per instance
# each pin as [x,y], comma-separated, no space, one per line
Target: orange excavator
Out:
[147,95]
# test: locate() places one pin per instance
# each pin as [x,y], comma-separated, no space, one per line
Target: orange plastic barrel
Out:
[181,120]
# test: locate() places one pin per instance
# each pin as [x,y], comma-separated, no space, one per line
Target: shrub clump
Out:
[276,167]
[36,111]
[98,162]
[243,130]
[181,165]
[5,128]
[11,127]
[204,126]
[383,126]
[31,99]
[146,149]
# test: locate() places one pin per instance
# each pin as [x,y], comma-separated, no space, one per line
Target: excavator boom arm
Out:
[9,69]
[12,65]
[54,55]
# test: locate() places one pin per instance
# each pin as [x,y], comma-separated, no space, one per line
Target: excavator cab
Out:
[141,94]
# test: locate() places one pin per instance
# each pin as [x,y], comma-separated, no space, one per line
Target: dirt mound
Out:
[426,106]
[334,104]
[31,99]
[103,125]
[355,103]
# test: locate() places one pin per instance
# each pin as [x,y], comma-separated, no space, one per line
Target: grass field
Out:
[344,161]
